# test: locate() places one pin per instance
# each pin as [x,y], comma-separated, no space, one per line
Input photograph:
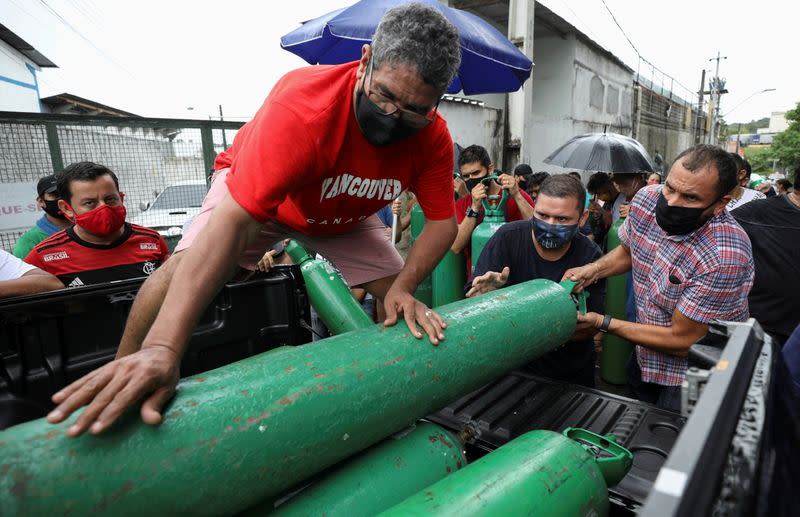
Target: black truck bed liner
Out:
[520,402]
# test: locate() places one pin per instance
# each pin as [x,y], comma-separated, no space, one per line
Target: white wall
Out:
[14,97]
[472,124]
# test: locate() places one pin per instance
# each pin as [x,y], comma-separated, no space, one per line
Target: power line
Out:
[620,29]
[84,38]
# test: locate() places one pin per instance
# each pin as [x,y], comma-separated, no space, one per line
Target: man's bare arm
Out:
[426,252]
[151,374]
[616,262]
[464,234]
[32,282]
[674,340]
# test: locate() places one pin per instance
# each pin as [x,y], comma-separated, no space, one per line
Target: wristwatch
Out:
[606,322]
[472,213]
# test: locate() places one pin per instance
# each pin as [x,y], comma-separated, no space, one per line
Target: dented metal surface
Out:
[541,473]
[250,430]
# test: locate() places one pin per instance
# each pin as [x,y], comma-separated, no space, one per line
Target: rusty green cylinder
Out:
[424,292]
[237,435]
[328,292]
[616,350]
[448,279]
[541,473]
[379,478]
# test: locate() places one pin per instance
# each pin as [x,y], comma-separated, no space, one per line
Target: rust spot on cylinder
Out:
[191,403]
[237,420]
[458,464]
[319,375]
[449,469]
[176,414]
[199,379]
[413,373]
[289,369]
[244,393]
[52,434]
[435,378]
[285,401]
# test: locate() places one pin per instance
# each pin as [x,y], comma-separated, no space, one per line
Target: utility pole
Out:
[715,95]
[699,137]
[224,139]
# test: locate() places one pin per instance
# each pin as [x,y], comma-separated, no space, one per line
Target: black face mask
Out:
[51,208]
[378,128]
[680,220]
[472,183]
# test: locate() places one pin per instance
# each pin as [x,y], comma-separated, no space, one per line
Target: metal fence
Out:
[163,165]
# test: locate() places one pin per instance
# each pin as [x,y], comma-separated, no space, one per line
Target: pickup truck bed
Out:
[521,402]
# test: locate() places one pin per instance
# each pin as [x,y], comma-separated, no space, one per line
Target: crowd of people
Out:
[336,151]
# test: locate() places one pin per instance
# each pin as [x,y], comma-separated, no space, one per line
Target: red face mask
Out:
[103,220]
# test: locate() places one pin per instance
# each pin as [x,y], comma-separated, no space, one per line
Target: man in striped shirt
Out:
[692,263]
[100,246]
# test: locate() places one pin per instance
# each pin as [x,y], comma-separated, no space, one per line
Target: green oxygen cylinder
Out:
[616,350]
[251,430]
[378,478]
[448,279]
[424,292]
[540,473]
[494,208]
[328,293]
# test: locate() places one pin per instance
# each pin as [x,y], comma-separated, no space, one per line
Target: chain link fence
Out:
[163,165]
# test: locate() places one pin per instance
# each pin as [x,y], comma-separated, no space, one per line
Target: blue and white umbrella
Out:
[490,63]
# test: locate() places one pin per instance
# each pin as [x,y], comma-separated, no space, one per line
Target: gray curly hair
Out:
[419,35]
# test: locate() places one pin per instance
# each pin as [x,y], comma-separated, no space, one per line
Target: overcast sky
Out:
[157,58]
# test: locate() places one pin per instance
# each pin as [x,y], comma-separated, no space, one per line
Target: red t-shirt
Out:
[304,162]
[136,253]
[512,214]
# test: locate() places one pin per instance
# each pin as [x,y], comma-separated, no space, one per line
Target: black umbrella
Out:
[608,152]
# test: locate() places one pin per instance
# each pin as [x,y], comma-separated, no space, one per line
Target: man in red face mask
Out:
[99,246]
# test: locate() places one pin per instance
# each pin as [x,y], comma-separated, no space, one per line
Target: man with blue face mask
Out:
[546,246]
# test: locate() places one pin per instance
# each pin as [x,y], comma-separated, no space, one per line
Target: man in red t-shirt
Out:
[99,246]
[330,146]
[475,164]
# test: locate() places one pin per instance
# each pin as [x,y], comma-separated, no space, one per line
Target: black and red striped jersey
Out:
[136,253]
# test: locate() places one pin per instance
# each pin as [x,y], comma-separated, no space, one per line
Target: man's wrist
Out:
[472,212]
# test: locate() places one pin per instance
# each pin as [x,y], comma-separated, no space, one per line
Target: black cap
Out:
[47,185]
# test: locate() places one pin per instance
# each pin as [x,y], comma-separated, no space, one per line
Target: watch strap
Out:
[606,322]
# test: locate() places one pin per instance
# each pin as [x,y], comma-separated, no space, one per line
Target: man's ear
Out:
[491,169]
[366,54]
[64,207]
[40,202]
[582,220]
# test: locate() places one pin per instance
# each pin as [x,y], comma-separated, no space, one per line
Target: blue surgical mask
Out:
[553,236]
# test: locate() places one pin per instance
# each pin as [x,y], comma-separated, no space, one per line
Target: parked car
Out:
[173,207]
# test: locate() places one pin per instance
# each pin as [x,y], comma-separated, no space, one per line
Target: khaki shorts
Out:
[362,255]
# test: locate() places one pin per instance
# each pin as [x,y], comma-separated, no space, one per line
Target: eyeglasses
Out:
[388,107]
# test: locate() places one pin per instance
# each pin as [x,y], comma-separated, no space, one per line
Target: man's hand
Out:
[591,321]
[509,183]
[488,282]
[624,209]
[479,193]
[584,276]
[415,312]
[267,262]
[150,374]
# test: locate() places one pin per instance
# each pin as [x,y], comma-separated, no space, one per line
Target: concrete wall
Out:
[663,124]
[576,90]
[19,90]
[474,124]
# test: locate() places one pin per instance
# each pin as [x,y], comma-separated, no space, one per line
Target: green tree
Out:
[786,145]
[760,159]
